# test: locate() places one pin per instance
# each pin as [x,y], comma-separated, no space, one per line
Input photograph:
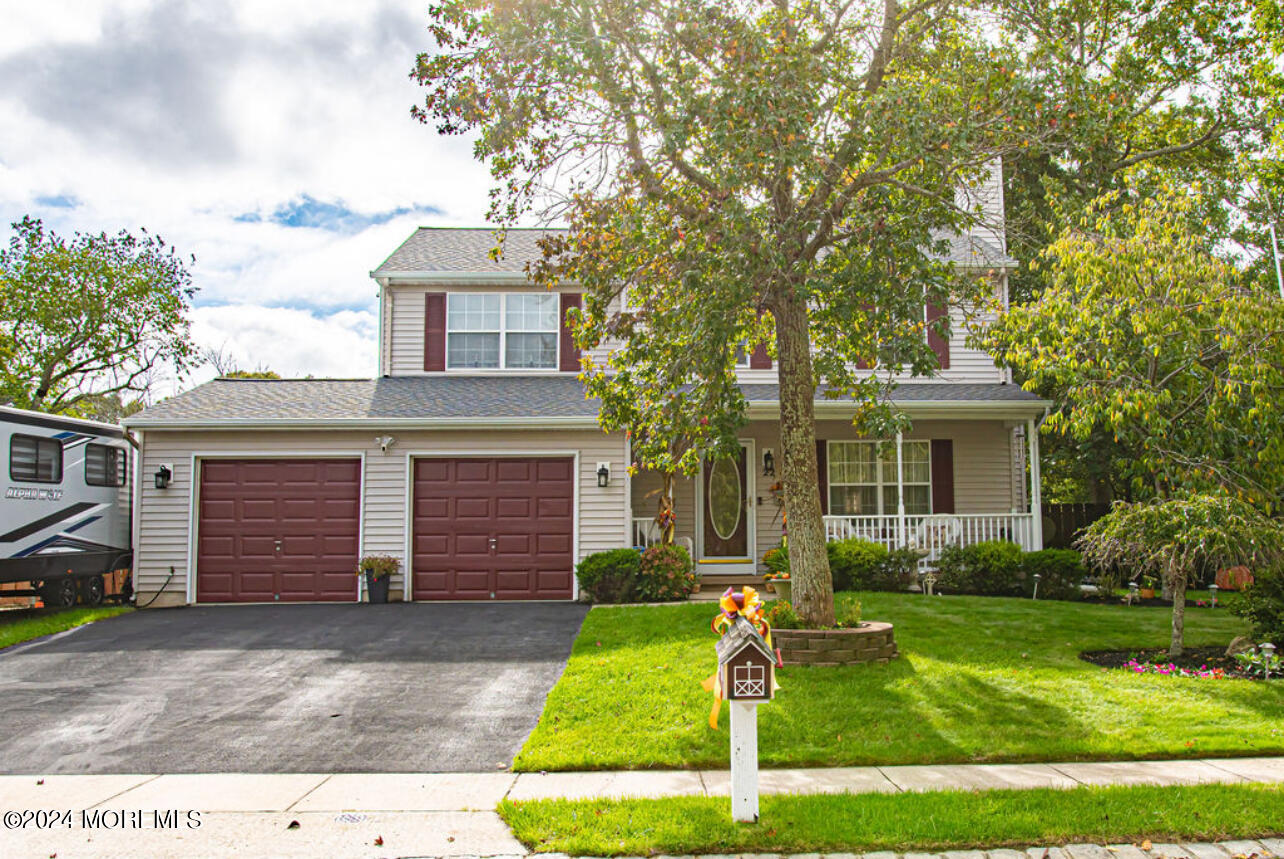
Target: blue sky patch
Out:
[310,213]
[58,201]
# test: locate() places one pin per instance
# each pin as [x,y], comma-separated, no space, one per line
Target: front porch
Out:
[945,483]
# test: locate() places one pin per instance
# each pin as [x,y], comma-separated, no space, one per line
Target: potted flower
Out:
[378,570]
[1147,589]
[780,581]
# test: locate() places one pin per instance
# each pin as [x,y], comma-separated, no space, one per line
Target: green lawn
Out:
[900,822]
[22,625]
[979,679]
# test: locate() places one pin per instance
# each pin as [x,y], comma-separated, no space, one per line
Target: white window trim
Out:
[503,331]
[830,483]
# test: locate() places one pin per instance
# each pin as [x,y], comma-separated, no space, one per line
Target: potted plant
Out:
[780,581]
[776,560]
[378,570]
[1147,589]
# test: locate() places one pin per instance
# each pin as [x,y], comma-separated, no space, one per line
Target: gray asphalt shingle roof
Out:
[444,250]
[465,398]
[441,250]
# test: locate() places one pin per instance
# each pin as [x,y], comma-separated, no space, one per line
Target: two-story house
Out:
[476,459]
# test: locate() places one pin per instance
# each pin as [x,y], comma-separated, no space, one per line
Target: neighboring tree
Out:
[227,367]
[89,317]
[1187,88]
[1175,538]
[1151,347]
[735,175]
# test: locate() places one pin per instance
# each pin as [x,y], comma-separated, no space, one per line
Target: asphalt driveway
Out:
[285,688]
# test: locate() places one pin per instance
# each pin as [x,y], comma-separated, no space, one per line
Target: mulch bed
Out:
[1194,658]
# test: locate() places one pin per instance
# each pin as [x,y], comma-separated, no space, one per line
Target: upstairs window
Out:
[861,483]
[501,330]
[35,460]
[104,466]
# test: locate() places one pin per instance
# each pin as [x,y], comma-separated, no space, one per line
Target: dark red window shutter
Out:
[759,359]
[942,475]
[940,345]
[435,331]
[569,360]
[822,473]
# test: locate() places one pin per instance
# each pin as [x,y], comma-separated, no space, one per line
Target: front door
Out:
[726,507]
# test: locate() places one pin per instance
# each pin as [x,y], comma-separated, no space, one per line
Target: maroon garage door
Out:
[278,529]
[493,528]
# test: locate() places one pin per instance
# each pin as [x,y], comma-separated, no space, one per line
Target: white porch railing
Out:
[645,531]
[931,534]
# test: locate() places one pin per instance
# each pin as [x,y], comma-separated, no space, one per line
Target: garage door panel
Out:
[310,507]
[553,508]
[470,545]
[513,471]
[474,508]
[524,504]
[474,471]
[553,470]
[552,580]
[514,508]
[553,544]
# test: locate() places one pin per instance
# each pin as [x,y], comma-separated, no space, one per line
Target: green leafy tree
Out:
[1175,538]
[1188,89]
[734,175]
[89,317]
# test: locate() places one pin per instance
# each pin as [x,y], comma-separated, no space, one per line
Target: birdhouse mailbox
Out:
[745,664]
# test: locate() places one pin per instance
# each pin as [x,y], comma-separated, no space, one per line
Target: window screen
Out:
[104,466]
[35,460]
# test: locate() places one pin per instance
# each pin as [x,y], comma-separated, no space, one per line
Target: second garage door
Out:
[493,528]
[278,529]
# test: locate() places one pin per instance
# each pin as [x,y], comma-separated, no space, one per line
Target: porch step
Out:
[713,584]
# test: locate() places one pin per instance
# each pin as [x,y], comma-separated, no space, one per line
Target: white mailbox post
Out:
[746,672]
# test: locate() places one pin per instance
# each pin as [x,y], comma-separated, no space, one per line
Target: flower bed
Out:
[1209,663]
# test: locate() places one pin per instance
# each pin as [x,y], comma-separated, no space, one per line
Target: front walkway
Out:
[453,814]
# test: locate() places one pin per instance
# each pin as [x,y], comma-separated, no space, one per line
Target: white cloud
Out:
[290,342]
[185,118]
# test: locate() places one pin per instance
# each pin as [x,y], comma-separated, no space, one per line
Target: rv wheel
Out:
[60,593]
[93,591]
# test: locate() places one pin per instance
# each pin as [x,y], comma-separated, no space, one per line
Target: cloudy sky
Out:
[270,138]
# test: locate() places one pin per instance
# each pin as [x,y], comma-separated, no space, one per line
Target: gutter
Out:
[473,423]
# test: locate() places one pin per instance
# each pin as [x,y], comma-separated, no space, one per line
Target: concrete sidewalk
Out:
[450,814]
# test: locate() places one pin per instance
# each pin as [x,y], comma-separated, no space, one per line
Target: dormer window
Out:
[501,330]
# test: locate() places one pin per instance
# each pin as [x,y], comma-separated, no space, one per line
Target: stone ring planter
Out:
[870,642]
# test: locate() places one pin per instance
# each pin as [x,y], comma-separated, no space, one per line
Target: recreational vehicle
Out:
[66,512]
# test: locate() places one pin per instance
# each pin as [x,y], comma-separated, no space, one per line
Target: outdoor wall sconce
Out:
[164,475]
[385,442]
[768,463]
[603,474]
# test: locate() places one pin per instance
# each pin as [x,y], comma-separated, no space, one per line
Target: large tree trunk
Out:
[813,587]
[1178,583]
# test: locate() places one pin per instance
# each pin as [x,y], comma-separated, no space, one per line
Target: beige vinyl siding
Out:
[165,515]
[983,473]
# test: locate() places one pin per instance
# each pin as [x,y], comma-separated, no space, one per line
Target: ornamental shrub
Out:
[781,615]
[989,568]
[852,562]
[1061,571]
[863,565]
[776,559]
[611,576]
[1262,604]
[665,573]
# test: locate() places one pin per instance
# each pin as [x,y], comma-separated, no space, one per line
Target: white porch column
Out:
[900,490]
[1036,485]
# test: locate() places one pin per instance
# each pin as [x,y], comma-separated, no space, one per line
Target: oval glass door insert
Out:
[725,498]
